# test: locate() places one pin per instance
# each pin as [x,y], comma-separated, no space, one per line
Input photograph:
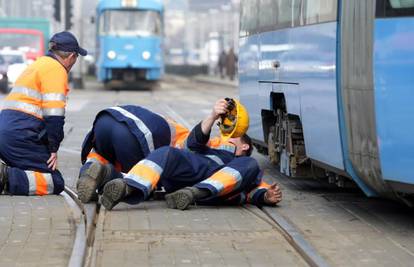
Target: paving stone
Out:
[163,243]
[31,234]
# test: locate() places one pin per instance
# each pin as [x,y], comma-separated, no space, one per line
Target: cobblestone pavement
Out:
[152,235]
[35,231]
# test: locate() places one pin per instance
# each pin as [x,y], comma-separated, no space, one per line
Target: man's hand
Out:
[220,108]
[273,195]
[52,161]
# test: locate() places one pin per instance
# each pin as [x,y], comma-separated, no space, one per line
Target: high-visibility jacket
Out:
[41,91]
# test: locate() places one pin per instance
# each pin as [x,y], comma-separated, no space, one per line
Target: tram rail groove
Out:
[295,238]
[85,229]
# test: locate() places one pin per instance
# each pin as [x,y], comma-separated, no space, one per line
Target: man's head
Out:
[244,145]
[66,48]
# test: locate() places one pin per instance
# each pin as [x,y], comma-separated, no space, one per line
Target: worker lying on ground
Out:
[197,174]
[121,137]
[32,119]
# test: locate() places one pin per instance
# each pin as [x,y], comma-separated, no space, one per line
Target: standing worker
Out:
[32,119]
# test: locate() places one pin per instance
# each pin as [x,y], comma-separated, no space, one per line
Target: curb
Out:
[85,229]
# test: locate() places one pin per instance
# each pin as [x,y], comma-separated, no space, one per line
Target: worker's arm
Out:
[54,91]
[265,194]
[200,134]
[220,108]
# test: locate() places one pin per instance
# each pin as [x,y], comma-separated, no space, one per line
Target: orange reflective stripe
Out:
[263,185]
[214,142]
[99,158]
[145,173]
[181,134]
[41,184]
[228,181]
[54,104]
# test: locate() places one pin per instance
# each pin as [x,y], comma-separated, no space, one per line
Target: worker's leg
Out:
[93,175]
[116,143]
[176,168]
[21,182]
[27,172]
[239,175]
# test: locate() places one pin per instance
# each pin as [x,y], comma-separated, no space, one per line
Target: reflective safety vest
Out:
[179,133]
[40,90]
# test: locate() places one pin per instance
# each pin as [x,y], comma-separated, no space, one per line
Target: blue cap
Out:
[65,41]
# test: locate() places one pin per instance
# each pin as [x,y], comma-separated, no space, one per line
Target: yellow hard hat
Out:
[236,122]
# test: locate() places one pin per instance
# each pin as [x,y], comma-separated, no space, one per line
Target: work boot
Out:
[3,176]
[114,192]
[183,198]
[90,180]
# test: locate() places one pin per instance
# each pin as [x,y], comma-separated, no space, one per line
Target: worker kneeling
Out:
[196,174]
[32,119]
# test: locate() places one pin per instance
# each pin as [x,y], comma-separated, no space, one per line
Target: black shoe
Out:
[113,192]
[3,176]
[89,181]
[180,199]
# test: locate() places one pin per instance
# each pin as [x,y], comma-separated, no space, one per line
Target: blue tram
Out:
[129,40]
[329,88]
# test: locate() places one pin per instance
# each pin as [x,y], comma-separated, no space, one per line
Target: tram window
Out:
[249,17]
[278,14]
[402,3]
[284,20]
[394,8]
[130,23]
[319,11]
[268,15]
[297,13]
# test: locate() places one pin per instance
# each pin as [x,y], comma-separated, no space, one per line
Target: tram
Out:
[329,88]
[129,40]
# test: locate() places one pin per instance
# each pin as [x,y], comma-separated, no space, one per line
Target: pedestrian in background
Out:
[231,61]
[32,119]
[222,63]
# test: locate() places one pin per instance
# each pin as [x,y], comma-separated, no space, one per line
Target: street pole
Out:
[77,76]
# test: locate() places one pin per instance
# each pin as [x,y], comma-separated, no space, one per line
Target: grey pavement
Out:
[152,235]
[35,231]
